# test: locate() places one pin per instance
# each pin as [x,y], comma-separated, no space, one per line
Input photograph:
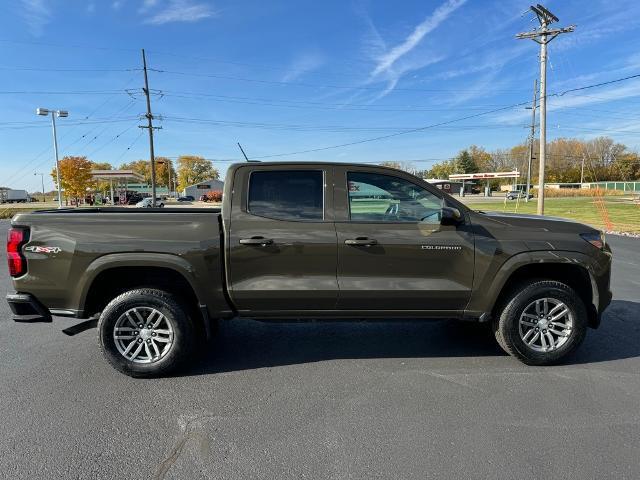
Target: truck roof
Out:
[307,162]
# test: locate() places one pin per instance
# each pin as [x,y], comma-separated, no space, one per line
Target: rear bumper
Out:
[26,308]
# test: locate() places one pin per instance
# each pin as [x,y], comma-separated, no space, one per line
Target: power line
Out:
[99,107]
[308,127]
[130,146]
[59,92]
[28,125]
[314,85]
[434,125]
[79,69]
[319,105]
[93,152]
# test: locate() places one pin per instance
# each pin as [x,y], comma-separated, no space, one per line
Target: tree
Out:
[193,169]
[101,185]
[141,167]
[442,170]
[480,157]
[163,167]
[75,177]
[405,166]
[465,163]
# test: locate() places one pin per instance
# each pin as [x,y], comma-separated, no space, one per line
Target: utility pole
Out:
[150,126]
[533,138]
[41,178]
[543,36]
[582,172]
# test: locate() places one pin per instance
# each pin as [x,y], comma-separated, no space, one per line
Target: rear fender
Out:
[138,259]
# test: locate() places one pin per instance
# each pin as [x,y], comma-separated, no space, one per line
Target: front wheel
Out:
[541,323]
[145,333]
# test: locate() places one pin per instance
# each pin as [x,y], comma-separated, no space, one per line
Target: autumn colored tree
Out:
[164,167]
[193,169]
[75,177]
[141,167]
[101,185]
[480,157]
[442,170]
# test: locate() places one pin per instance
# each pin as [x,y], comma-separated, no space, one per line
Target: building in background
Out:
[450,186]
[202,188]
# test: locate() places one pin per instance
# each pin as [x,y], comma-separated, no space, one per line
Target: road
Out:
[334,400]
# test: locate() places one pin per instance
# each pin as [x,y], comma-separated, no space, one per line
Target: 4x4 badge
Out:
[39,249]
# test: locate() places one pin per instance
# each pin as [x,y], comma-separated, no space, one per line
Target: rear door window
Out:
[296,195]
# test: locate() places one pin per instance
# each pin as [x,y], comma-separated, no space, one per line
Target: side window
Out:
[375,197]
[287,194]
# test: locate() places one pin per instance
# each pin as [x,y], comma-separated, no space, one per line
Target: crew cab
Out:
[307,241]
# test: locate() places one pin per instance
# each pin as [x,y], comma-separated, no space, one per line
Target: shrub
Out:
[577,192]
[214,196]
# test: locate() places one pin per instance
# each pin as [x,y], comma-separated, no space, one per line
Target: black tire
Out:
[183,332]
[506,323]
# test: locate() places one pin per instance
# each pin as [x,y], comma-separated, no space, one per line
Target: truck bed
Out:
[129,210]
[72,253]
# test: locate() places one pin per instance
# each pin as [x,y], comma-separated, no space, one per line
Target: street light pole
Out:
[54,114]
[55,148]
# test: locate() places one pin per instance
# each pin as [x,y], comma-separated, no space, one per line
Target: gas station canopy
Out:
[118,175]
[484,176]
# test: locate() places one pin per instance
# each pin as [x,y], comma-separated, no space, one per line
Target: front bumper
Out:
[26,308]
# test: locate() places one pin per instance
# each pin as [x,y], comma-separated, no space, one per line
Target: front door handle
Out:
[261,241]
[361,242]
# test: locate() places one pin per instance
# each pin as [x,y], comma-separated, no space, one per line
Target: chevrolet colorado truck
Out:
[307,241]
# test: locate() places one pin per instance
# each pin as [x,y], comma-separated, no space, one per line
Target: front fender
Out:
[487,289]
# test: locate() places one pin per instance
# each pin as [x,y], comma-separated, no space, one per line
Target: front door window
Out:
[375,197]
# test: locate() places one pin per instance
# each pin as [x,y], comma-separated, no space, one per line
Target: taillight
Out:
[16,237]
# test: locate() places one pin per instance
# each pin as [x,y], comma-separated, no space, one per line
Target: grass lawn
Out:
[623,213]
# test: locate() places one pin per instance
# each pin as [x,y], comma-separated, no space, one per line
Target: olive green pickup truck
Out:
[308,241]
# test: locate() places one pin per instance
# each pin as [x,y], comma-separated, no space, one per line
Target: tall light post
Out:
[42,178]
[62,114]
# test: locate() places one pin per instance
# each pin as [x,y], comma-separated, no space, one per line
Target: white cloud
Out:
[493,60]
[117,4]
[579,99]
[36,14]
[147,5]
[303,64]
[181,11]
[386,61]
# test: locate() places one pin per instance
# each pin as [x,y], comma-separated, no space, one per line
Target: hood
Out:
[538,223]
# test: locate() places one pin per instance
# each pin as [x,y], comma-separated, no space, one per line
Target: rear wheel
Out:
[541,323]
[145,332]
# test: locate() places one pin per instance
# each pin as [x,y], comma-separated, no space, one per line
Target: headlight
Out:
[595,238]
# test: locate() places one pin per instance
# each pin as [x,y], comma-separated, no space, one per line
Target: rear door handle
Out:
[361,242]
[263,242]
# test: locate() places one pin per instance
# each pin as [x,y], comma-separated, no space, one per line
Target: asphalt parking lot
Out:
[386,400]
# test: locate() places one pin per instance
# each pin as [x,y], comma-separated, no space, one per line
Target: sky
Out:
[304,80]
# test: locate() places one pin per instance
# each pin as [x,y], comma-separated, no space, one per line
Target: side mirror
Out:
[450,216]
